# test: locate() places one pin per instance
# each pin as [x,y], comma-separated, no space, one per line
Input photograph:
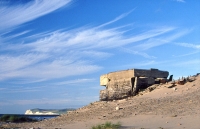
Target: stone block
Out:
[103,95]
[104,80]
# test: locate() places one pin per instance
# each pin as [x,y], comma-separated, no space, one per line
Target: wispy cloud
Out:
[155,42]
[149,64]
[20,61]
[18,34]
[14,16]
[76,45]
[21,89]
[187,54]
[191,63]
[116,19]
[69,51]
[195,49]
[90,38]
[182,1]
[96,54]
[2,89]
[45,70]
[189,45]
[50,101]
[19,14]
[63,53]
[28,81]
[41,101]
[145,55]
[75,82]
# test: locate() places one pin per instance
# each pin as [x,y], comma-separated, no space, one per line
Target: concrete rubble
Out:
[125,83]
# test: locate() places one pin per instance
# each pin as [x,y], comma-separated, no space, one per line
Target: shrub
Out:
[4,118]
[14,118]
[107,125]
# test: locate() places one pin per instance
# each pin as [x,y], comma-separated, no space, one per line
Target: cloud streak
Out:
[75,82]
[40,101]
[130,51]
[22,89]
[155,42]
[191,63]
[189,45]
[116,19]
[19,14]
[52,101]
[64,53]
[182,1]
[67,53]
[44,70]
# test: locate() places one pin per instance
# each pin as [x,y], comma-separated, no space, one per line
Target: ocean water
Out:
[37,117]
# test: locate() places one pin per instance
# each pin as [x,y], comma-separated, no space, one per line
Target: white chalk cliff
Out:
[29,112]
[38,111]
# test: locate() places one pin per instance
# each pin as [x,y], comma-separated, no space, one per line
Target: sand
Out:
[163,108]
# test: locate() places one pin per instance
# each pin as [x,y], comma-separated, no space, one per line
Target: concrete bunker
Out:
[125,83]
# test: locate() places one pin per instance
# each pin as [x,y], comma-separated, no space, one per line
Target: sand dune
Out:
[169,108]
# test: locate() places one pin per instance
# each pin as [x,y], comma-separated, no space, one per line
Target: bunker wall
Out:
[125,83]
[155,73]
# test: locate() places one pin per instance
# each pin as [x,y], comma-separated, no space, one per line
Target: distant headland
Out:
[38,111]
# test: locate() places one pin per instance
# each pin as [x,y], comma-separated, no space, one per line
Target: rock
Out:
[174,116]
[117,108]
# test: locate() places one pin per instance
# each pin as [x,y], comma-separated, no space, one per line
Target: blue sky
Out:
[52,53]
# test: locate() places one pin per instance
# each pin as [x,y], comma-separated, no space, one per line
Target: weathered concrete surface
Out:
[114,76]
[151,81]
[155,73]
[104,80]
[140,83]
[121,84]
[117,89]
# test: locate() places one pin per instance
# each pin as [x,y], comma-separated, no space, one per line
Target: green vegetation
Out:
[107,125]
[14,118]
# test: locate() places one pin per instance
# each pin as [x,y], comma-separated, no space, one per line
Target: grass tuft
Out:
[15,118]
[107,125]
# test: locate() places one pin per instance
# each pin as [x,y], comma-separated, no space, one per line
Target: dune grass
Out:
[15,118]
[107,125]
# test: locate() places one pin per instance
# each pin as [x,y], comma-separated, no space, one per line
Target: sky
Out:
[52,53]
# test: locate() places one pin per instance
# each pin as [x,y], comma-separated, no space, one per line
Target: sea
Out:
[36,117]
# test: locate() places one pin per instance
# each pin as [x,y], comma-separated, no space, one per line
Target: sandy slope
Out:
[168,108]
